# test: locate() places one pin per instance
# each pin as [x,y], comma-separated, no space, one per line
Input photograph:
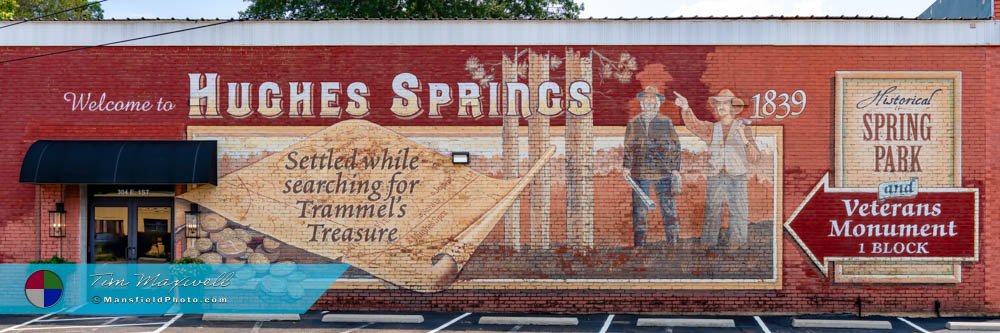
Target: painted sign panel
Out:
[898,157]
[897,125]
[377,200]
[837,224]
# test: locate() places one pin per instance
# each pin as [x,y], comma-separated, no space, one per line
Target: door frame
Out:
[133,204]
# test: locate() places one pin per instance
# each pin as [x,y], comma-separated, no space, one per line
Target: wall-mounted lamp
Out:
[57,218]
[191,221]
[460,157]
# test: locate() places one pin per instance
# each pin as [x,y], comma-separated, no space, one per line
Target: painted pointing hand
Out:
[681,101]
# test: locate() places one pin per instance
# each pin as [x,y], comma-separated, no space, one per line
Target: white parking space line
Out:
[450,322]
[761,323]
[256,327]
[18,326]
[357,328]
[72,319]
[921,329]
[607,323]
[87,326]
[168,323]
[105,323]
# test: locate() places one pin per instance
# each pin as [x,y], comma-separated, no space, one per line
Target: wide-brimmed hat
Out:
[727,95]
[651,90]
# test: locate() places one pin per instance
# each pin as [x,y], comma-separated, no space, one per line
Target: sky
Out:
[592,8]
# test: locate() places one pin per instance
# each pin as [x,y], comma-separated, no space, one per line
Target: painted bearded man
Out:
[652,159]
[730,143]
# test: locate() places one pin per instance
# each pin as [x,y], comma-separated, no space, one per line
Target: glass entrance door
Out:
[109,234]
[130,230]
[153,234]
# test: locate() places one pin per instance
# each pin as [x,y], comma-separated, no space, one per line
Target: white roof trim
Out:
[499,32]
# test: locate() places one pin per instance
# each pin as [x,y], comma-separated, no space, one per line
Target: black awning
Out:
[120,162]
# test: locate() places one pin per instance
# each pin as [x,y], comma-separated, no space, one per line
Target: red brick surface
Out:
[32,105]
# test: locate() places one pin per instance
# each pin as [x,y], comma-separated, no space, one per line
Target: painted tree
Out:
[511,156]
[580,141]
[579,159]
[535,68]
[331,9]
[539,140]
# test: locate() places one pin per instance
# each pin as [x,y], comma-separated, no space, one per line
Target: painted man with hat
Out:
[730,143]
[652,159]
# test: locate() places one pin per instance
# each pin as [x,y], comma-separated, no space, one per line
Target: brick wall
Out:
[32,101]
[991,214]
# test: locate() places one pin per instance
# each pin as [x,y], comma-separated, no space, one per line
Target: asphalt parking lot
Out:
[454,322]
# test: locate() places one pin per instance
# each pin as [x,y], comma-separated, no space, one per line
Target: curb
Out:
[548,321]
[372,318]
[249,317]
[971,326]
[836,323]
[686,322]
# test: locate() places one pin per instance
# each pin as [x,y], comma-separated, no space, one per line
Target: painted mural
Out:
[620,251]
[650,204]
[683,192]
